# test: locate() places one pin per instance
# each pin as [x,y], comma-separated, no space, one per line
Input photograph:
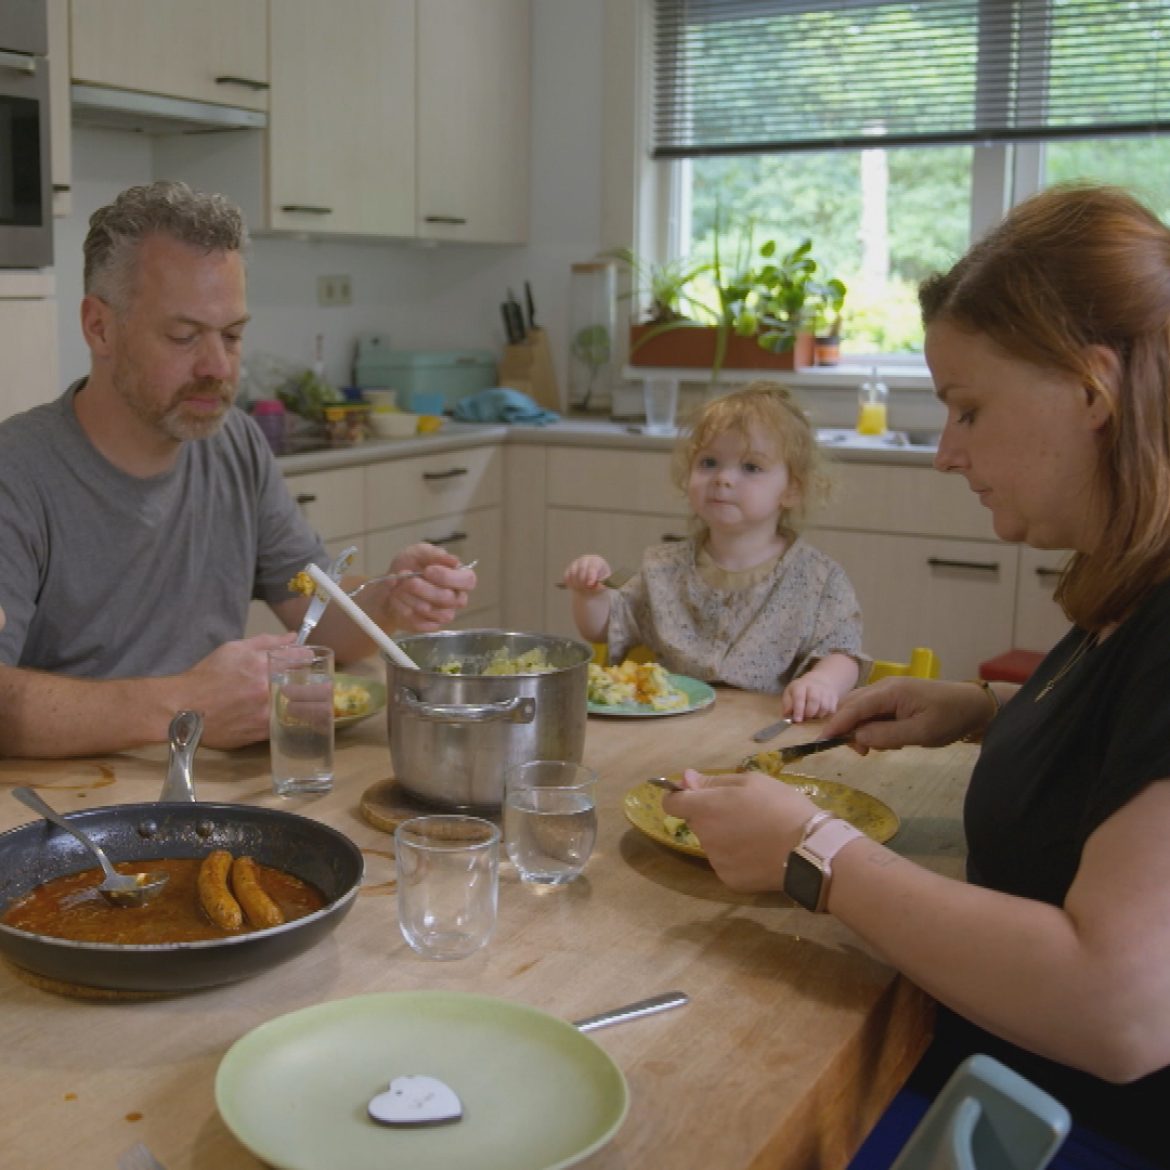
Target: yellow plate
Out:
[375,694]
[643,809]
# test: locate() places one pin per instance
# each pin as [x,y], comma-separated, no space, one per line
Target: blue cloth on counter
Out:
[501,404]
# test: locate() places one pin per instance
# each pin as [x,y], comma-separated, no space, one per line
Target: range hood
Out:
[148,113]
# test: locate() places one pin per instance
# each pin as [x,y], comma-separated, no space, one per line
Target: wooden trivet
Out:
[385,806]
[81,991]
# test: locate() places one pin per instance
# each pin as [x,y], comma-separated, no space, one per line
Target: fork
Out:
[317,606]
[615,580]
[139,1157]
[403,576]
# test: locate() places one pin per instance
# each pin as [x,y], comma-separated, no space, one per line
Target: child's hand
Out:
[587,573]
[808,697]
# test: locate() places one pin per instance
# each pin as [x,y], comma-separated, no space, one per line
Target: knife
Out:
[799,750]
[516,314]
[773,729]
[531,305]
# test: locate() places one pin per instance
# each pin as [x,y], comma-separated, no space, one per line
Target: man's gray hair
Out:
[169,208]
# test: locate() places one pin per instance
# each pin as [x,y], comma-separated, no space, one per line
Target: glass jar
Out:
[592,332]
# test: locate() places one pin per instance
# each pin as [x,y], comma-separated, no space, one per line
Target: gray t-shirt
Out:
[107,575]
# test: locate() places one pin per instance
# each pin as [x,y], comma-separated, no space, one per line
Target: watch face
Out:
[803,880]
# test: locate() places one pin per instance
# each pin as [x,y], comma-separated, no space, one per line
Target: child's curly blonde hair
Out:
[772,408]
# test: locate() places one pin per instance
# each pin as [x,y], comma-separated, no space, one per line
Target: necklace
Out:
[1087,643]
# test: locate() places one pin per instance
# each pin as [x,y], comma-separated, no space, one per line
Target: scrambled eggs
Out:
[349,699]
[680,831]
[302,583]
[634,682]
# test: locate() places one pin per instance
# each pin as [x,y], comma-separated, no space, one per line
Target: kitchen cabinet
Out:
[1040,622]
[214,51]
[60,127]
[473,119]
[28,341]
[387,119]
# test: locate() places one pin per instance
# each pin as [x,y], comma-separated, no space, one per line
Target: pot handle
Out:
[515,710]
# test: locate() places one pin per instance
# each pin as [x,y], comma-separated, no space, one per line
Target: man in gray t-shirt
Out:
[141,511]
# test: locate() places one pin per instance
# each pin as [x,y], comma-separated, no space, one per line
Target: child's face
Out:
[740,487]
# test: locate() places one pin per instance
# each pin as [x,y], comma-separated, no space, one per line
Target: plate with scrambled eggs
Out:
[643,808]
[356,698]
[644,688]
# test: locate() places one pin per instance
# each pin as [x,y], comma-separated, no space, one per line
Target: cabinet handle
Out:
[248,82]
[979,566]
[455,471]
[306,208]
[18,62]
[672,538]
[306,498]
[450,538]
[455,219]
[1042,572]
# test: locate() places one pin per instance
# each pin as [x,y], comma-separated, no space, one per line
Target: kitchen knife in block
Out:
[528,367]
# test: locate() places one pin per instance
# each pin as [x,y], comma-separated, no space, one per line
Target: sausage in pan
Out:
[260,909]
[214,896]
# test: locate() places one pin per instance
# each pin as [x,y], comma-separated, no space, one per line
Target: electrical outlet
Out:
[334,290]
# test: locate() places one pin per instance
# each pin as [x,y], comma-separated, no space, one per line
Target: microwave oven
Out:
[26,190]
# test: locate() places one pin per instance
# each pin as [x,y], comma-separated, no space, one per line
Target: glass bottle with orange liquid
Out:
[873,399]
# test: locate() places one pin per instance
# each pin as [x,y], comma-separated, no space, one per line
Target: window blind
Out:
[749,76]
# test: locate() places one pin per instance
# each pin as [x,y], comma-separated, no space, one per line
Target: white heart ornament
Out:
[416,1100]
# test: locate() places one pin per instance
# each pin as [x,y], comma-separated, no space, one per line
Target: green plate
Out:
[375,692]
[536,1093]
[699,695]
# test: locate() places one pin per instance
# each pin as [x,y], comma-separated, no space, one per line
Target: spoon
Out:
[119,889]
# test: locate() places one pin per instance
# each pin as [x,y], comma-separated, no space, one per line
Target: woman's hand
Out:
[587,573]
[897,712]
[747,823]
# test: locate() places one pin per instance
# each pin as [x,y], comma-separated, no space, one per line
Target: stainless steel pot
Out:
[453,736]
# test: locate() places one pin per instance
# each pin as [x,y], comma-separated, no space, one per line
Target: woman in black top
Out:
[1049,345]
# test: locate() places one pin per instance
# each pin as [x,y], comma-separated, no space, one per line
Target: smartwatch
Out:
[809,868]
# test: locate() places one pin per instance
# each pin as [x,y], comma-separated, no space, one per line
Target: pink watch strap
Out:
[828,839]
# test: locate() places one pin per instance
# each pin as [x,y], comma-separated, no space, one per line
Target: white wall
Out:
[444,297]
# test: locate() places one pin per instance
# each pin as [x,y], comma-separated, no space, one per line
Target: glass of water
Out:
[300,724]
[550,819]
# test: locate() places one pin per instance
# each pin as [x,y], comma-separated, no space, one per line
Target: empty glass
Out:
[448,884]
[550,819]
[660,400]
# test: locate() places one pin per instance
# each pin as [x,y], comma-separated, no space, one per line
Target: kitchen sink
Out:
[848,438]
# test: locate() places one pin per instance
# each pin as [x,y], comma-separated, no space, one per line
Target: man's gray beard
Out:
[172,422]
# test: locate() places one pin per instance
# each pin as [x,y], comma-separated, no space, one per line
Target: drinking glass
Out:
[300,724]
[550,819]
[448,883]
[660,400]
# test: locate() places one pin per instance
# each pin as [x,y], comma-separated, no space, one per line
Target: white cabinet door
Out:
[1040,622]
[955,597]
[212,51]
[28,341]
[473,119]
[341,138]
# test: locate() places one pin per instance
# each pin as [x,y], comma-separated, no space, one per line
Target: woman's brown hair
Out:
[1073,267]
[771,408]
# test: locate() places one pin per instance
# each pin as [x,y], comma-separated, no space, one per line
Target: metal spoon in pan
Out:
[119,889]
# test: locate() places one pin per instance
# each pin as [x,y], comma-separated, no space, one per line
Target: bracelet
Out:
[996,705]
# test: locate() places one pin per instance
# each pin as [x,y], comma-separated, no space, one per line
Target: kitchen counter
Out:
[796,1038]
[840,444]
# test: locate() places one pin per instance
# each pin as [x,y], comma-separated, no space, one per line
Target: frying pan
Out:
[33,854]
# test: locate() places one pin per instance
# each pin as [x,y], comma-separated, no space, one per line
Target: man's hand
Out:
[230,688]
[425,603]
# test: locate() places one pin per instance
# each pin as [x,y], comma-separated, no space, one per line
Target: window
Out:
[891,133]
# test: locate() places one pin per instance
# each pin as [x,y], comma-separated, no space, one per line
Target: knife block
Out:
[528,367]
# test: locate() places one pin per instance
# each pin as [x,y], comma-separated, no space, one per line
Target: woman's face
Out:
[1024,437]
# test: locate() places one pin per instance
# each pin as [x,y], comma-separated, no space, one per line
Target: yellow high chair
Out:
[923,664]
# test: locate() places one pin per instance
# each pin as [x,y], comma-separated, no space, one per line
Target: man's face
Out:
[175,355]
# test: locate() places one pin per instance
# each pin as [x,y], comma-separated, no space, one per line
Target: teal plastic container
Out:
[428,381]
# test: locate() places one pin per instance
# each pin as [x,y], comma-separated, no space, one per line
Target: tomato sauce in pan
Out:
[71,907]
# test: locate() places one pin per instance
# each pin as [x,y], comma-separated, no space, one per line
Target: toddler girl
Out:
[744,600]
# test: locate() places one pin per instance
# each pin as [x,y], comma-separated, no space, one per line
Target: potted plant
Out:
[751,313]
[827,298]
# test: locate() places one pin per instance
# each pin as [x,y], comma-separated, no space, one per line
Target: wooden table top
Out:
[795,1040]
